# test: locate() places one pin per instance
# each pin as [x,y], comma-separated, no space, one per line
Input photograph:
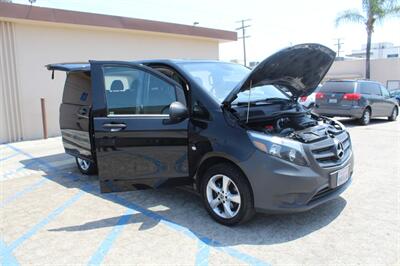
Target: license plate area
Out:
[340,177]
[332,100]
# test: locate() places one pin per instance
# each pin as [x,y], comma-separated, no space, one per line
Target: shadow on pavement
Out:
[185,208]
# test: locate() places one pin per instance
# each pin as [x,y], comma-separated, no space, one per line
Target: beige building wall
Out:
[36,44]
[382,70]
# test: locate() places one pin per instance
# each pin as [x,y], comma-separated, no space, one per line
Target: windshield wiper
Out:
[276,99]
[268,100]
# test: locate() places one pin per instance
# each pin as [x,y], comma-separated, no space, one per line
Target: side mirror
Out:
[177,112]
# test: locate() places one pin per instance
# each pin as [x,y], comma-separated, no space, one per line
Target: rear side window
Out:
[338,86]
[385,92]
[369,88]
[132,91]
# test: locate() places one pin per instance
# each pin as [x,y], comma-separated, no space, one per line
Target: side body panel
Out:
[388,101]
[372,96]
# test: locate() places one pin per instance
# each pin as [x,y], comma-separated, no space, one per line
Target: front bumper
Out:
[282,187]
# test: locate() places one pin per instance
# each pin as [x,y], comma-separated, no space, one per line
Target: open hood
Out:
[299,68]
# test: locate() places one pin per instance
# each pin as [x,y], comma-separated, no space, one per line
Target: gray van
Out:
[359,99]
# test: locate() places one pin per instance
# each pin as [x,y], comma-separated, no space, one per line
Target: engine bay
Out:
[295,123]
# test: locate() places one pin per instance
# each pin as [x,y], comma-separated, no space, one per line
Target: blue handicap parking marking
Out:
[24,191]
[9,156]
[205,244]
[203,254]
[6,256]
[19,169]
[50,217]
[107,243]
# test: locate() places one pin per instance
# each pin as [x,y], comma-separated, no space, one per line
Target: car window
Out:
[369,88]
[338,87]
[157,97]
[385,92]
[133,91]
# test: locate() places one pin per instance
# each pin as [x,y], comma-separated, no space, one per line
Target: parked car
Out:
[359,99]
[396,94]
[243,143]
[309,100]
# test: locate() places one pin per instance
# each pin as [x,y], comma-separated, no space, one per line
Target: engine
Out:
[303,127]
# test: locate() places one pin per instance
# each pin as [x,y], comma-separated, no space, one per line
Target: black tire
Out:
[394,114]
[89,169]
[366,117]
[245,209]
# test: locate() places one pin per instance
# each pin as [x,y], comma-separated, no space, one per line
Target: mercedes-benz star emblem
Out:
[339,149]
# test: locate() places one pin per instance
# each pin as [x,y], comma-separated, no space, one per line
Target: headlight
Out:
[282,148]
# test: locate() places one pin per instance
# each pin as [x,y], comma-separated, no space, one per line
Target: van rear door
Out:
[75,109]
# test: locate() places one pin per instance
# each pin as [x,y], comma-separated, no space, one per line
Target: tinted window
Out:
[132,91]
[157,97]
[369,88]
[338,86]
[385,92]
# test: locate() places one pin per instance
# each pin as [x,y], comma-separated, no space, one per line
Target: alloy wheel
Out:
[83,164]
[366,117]
[223,196]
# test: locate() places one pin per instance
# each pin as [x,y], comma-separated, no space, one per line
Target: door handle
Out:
[83,113]
[114,126]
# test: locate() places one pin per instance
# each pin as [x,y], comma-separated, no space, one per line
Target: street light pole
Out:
[244,36]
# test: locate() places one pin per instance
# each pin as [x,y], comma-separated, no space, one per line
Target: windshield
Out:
[217,78]
[261,93]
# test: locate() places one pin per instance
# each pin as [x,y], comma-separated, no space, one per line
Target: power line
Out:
[339,46]
[244,36]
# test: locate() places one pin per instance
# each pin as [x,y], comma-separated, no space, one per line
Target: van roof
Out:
[85,66]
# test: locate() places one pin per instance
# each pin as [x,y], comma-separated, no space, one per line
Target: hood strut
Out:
[248,103]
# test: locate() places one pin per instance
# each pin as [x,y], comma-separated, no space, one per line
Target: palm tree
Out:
[373,11]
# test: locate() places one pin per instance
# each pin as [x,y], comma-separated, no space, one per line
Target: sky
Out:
[274,24]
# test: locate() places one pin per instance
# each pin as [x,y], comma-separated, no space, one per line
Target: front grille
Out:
[324,152]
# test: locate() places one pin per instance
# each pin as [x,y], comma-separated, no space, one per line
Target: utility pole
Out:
[339,46]
[244,36]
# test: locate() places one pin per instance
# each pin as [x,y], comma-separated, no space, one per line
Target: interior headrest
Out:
[117,85]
